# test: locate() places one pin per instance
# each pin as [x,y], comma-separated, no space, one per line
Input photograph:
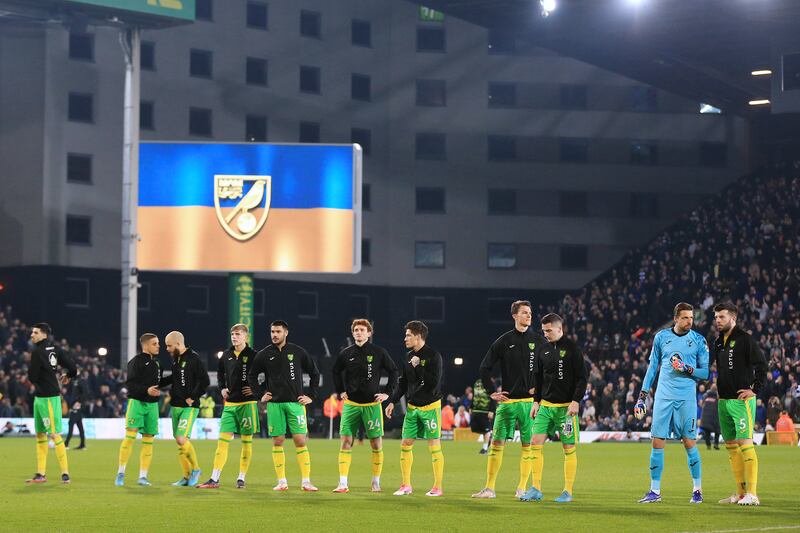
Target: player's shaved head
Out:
[175,336]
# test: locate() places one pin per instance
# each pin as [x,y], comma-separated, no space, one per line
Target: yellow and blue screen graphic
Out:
[249,207]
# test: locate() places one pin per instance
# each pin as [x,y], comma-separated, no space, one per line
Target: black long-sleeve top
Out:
[358,371]
[283,370]
[740,364]
[189,379]
[233,374]
[144,371]
[421,385]
[560,374]
[46,357]
[516,352]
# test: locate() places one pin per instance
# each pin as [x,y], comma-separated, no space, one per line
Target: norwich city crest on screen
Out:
[242,204]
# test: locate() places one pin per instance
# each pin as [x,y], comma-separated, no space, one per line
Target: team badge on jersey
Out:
[562,353]
[369,359]
[242,204]
[290,357]
[531,345]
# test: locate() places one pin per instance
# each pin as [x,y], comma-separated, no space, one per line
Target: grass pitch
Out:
[611,477]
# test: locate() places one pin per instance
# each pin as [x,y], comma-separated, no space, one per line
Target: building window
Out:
[644,153]
[502,94]
[429,308]
[366,252]
[200,63]
[502,201]
[502,43]
[574,150]
[502,148]
[259,302]
[79,168]
[713,154]
[643,205]
[643,99]
[143,296]
[80,107]
[361,33]
[310,80]
[200,122]
[363,137]
[430,40]
[256,71]
[257,15]
[573,203]
[501,255]
[573,97]
[81,46]
[366,197]
[79,230]
[311,24]
[430,146]
[429,254]
[309,132]
[76,292]
[307,304]
[431,93]
[255,128]
[430,200]
[360,87]
[204,10]
[147,55]
[197,299]
[575,257]
[359,305]
[146,115]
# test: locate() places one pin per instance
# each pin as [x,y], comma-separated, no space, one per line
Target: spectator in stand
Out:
[461,420]
[709,419]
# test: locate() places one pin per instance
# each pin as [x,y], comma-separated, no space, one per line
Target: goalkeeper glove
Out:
[682,367]
[640,409]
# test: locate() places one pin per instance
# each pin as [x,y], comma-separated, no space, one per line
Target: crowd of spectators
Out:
[742,245]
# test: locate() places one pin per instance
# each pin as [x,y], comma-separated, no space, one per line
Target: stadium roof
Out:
[701,49]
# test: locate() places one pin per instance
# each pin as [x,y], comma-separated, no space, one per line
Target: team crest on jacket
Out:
[369,359]
[732,344]
[183,364]
[562,353]
[290,357]
[422,362]
[242,203]
[531,345]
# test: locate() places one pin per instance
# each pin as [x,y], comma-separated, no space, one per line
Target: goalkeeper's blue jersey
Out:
[691,348]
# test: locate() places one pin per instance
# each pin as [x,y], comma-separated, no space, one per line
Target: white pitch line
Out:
[771,528]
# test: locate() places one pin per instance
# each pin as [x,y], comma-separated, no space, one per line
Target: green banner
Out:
[430,15]
[180,9]
[240,301]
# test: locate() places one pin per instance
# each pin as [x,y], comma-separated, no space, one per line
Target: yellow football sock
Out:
[126,448]
[246,455]
[191,455]
[570,468]
[406,460]
[183,460]
[750,468]
[377,462]
[524,468]
[737,466]
[537,464]
[345,458]
[303,461]
[221,455]
[146,455]
[279,462]
[61,454]
[437,459]
[493,465]
[41,454]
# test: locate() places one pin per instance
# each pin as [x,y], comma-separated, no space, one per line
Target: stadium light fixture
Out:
[759,102]
[102,351]
[458,361]
[548,6]
[763,72]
